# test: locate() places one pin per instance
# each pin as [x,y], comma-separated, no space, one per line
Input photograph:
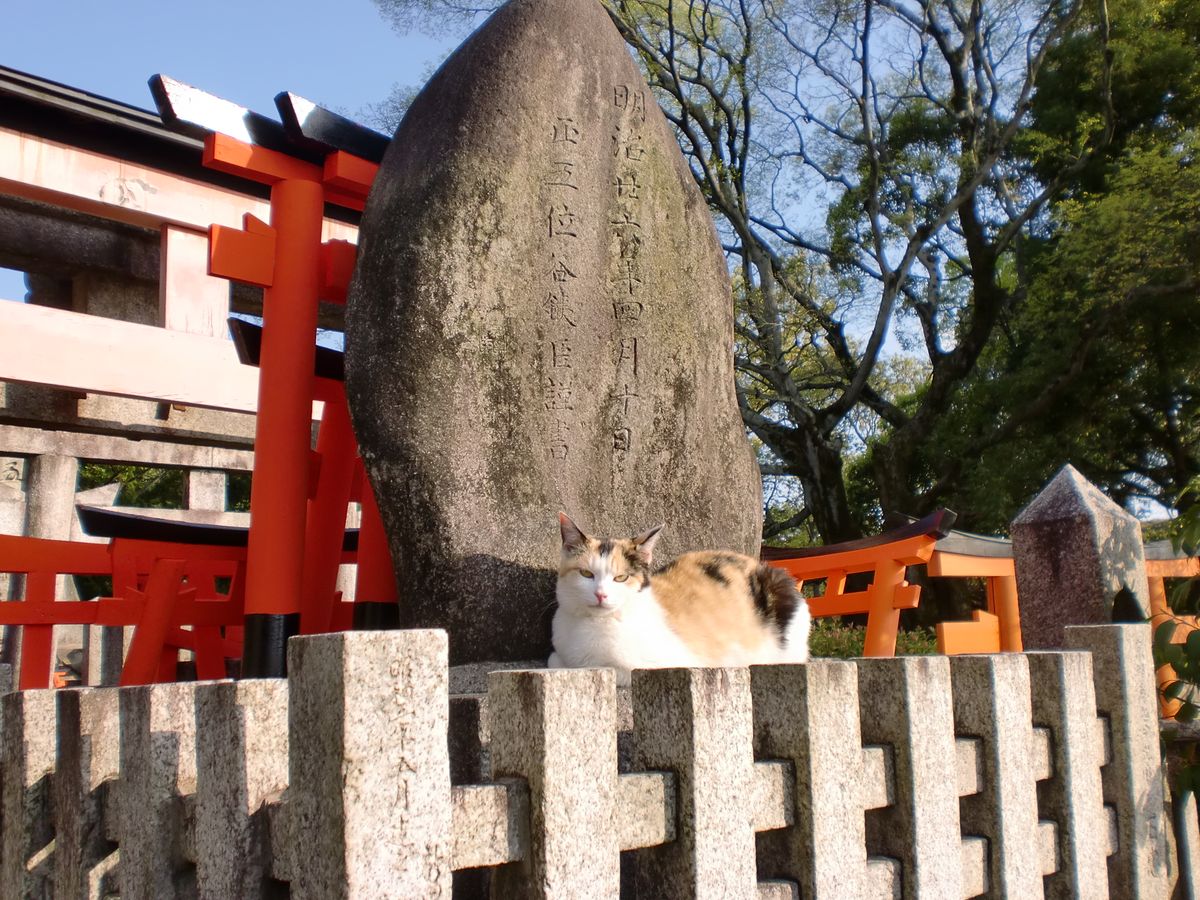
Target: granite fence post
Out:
[87,771]
[1064,701]
[1134,779]
[809,715]
[992,702]
[698,724]
[369,810]
[906,703]
[241,761]
[158,770]
[26,788]
[558,731]
[1079,561]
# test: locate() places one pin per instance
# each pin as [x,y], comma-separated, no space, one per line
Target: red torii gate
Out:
[295,538]
[180,592]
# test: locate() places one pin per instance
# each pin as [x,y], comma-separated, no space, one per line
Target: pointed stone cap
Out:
[1067,497]
[1077,553]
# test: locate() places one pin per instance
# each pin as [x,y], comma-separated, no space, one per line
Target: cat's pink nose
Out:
[600,598]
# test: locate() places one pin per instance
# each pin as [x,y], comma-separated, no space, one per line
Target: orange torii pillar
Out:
[285,259]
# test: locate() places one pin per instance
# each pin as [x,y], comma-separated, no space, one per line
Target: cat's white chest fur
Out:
[635,637]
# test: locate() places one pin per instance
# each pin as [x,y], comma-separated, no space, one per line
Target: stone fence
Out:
[915,776]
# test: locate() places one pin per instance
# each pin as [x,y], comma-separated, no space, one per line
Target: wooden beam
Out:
[16,440]
[190,299]
[92,354]
[54,173]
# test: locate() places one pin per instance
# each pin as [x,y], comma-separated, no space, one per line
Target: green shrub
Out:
[833,637]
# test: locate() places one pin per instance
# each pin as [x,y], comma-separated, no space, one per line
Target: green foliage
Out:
[140,485]
[1184,657]
[1097,366]
[237,492]
[834,637]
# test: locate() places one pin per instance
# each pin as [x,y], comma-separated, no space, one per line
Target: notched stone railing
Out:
[920,776]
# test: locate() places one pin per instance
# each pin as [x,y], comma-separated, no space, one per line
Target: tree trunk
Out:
[824,487]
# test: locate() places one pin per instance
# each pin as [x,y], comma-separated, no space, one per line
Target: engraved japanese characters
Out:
[540,320]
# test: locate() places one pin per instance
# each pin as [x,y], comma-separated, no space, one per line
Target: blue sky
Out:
[339,53]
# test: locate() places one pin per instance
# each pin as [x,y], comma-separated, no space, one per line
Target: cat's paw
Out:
[555,661]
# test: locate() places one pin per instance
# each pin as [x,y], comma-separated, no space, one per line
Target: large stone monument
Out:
[540,320]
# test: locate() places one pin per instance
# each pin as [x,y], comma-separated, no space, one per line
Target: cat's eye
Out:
[586,573]
[620,578]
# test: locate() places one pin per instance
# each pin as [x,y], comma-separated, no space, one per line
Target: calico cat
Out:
[709,608]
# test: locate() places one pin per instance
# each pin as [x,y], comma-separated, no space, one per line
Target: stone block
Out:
[774,800]
[369,808]
[241,763]
[1079,561]
[557,730]
[809,716]
[1133,782]
[565,347]
[491,823]
[1064,703]
[906,703]
[104,650]
[992,702]
[27,758]
[158,770]
[87,768]
[645,809]
[698,724]
[205,489]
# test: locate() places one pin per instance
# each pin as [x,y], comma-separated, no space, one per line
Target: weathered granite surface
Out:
[368,809]
[540,320]
[1077,555]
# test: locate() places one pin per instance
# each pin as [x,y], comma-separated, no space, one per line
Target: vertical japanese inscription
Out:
[559,185]
[630,292]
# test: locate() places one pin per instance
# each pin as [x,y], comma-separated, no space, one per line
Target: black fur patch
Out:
[775,595]
[606,547]
[637,564]
[712,569]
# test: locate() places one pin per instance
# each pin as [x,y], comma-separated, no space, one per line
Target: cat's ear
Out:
[646,540]
[572,537]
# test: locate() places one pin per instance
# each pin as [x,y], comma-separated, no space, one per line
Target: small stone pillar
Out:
[26,785]
[698,724]
[1064,701]
[905,703]
[809,715]
[87,770]
[241,762]
[369,810]
[158,770]
[205,489]
[12,514]
[1134,779]
[1077,554]
[992,702]
[557,729]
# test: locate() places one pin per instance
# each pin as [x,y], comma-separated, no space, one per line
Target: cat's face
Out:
[600,576]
